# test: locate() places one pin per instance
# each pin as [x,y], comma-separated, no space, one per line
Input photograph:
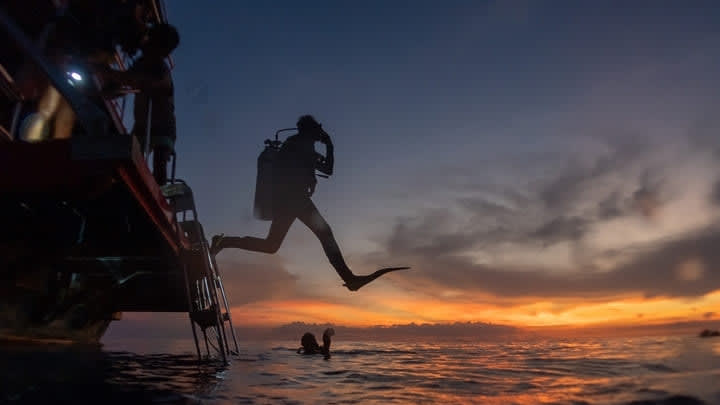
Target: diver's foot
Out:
[358,282]
[216,244]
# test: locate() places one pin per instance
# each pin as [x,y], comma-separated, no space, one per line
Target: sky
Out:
[537,163]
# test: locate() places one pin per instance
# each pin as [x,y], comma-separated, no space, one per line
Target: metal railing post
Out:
[147,131]
[15,118]
[172,173]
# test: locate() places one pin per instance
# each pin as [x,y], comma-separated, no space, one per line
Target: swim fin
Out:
[360,281]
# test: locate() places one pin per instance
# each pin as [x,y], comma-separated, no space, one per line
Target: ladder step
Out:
[204,318]
[175,190]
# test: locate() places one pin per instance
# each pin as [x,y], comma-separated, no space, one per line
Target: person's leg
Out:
[311,217]
[278,229]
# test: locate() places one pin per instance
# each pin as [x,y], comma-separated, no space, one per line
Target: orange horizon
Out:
[543,313]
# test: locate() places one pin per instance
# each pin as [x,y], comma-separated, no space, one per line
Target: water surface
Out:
[670,370]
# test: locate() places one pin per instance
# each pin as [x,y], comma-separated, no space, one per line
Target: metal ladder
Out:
[208,306]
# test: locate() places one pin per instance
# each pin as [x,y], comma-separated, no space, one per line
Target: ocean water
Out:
[669,370]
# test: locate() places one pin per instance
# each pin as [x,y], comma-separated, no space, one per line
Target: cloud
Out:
[587,170]
[652,273]
[611,207]
[646,199]
[715,196]
[248,281]
[560,229]
[691,269]
[615,220]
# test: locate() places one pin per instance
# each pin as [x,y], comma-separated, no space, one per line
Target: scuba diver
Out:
[309,344]
[293,183]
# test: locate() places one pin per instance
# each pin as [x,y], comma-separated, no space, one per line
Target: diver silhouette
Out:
[309,345]
[292,186]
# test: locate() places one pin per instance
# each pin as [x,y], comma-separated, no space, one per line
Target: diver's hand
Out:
[324,137]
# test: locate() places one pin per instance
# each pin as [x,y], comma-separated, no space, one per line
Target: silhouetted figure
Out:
[154,105]
[293,185]
[310,346]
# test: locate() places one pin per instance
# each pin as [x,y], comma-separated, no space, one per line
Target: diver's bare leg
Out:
[278,230]
[311,217]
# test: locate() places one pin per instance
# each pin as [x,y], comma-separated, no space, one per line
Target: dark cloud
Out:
[430,235]
[622,177]
[715,197]
[661,270]
[571,185]
[560,229]
[709,315]
[611,207]
[248,281]
[480,205]
[646,199]
[646,203]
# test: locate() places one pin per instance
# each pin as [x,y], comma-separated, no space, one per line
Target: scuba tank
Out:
[264,181]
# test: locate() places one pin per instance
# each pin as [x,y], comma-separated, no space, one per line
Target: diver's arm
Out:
[139,80]
[326,163]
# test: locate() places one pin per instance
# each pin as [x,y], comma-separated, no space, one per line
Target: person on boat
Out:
[309,345]
[151,76]
[293,185]
[85,34]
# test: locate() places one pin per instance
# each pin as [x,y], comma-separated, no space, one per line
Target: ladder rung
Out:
[175,190]
[205,318]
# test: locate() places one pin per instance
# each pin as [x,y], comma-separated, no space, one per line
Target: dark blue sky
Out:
[444,114]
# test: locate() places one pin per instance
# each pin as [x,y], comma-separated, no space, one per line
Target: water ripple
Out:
[638,372]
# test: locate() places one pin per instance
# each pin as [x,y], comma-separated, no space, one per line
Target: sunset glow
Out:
[629,311]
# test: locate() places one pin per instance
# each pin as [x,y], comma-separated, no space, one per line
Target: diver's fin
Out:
[360,281]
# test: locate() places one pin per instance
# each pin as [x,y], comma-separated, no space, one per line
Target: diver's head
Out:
[308,126]
[162,39]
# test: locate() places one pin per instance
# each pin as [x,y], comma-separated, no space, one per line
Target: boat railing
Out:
[14,97]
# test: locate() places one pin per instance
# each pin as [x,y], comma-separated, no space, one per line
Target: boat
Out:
[88,234]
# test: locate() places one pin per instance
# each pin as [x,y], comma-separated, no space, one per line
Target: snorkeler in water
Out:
[309,344]
[294,183]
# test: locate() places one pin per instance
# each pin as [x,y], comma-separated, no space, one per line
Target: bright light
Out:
[76,76]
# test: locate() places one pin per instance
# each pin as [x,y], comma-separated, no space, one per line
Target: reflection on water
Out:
[620,371]
[64,374]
